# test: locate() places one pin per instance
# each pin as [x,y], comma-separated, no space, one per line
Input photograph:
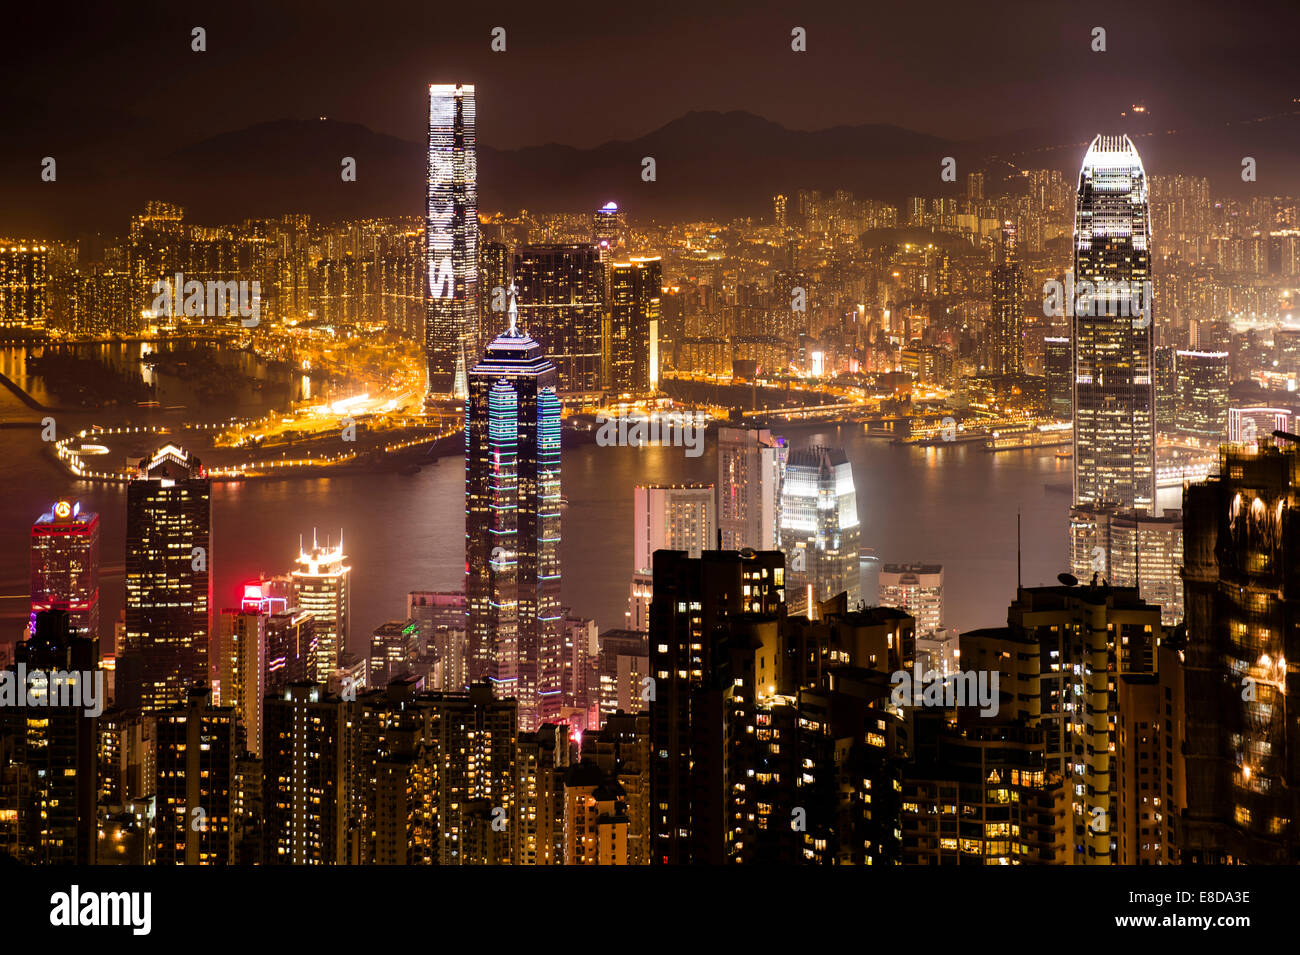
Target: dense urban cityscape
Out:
[234,445]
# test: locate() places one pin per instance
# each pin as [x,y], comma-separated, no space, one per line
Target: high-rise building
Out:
[671,517]
[441,618]
[820,534]
[1150,763]
[194,777]
[1166,372]
[561,298]
[320,584]
[595,817]
[563,660]
[306,794]
[512,514]
[1060,377]
[1239,568]
[154,253]
[617,677]
[291,650]
[1131,549]
[451,333]
[916,588]
[694,600]
[434,776]
[48,746]
[1203,382]
[168,553]
[393,650]
[1007,354]
[1060,658]
[608,231]
[631,344]
[23,286]
[65,566]
[751,464]
[1114,393]
[778,211]
[242,668]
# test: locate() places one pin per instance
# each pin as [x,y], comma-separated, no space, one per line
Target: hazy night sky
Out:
[599,71]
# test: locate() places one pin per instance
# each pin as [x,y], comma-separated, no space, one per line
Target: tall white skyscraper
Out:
[1114,387]
[320,585]
[451,334]
[666,517]
[672,517]
[820,534]
[751,462]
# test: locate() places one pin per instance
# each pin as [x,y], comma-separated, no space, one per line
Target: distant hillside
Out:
[709,164]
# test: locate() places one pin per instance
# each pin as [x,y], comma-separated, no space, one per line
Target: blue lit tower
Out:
[512,514]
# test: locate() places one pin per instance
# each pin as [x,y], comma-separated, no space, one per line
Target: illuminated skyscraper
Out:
[154,252]
[512,514]
[65,566]
[241,665]
[1007,355]
[393,648]
[321,588]
[306,791]
[695,600]
[1241,546]
[1114,394]
[778,211]
[194,777]
[608,231]
[561,294]
[916,588]
[635,289]
[1060,379]
[666,517]
[1203,380]
[168,549]
[751,463]
[671,517]
[451,240]
[23,286]
[819,527]
[48,765]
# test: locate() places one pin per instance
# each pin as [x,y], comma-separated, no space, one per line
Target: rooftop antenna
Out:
[513,312]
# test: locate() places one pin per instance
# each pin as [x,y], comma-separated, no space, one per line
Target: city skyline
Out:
[804,491]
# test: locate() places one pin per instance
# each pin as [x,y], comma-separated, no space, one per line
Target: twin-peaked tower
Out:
[1114,389]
